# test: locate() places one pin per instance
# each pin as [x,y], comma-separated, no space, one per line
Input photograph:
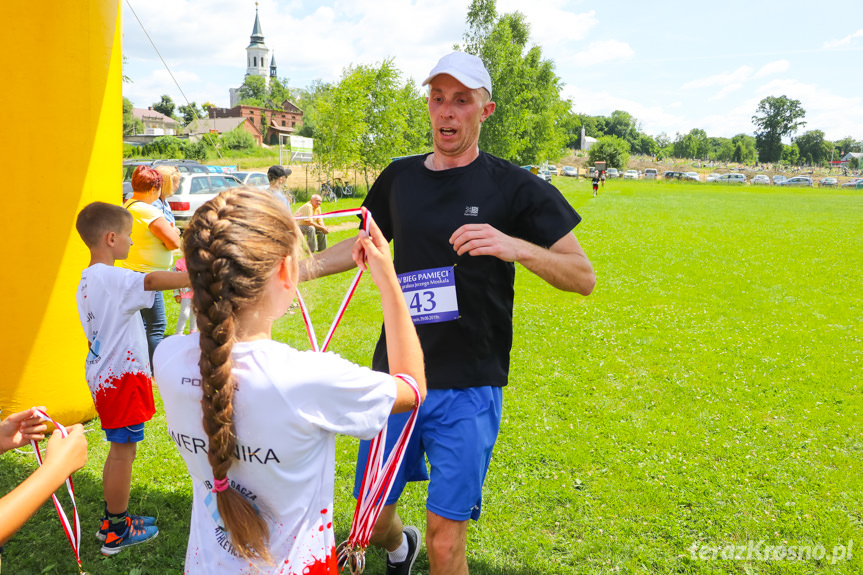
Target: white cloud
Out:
[601,52]
[772,68]
[723,79]
[844,42]
[726,90]
[653,119]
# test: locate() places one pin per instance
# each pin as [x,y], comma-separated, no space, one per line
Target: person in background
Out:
[183,296]
[170,183]
[312,228]
[154,240]
[278,176]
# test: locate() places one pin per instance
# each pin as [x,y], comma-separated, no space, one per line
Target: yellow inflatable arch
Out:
[61,149]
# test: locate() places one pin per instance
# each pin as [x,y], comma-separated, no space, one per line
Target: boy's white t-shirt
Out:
[288,406]
[118,364]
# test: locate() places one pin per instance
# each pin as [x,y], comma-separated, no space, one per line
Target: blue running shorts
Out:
[130,434]
[456,429]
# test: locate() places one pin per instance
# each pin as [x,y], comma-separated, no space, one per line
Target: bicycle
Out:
[327,193]
[343,190]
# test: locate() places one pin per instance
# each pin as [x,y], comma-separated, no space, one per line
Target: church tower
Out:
[257,53]
[273,66]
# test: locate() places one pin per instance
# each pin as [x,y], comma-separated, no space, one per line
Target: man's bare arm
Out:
[564,265]
[332,260]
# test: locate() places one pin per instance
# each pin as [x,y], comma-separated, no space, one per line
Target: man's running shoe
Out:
[414,543]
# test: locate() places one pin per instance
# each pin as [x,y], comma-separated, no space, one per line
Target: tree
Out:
[191,113]
[812,144]
[238,139]
[745,151]
[527,126]
[776,118]
[253,91]
[165,106]
[131,124]
[848,144]
[610,149]
[693,145]
[790,154]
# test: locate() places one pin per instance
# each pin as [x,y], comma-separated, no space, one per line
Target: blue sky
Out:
[673,65]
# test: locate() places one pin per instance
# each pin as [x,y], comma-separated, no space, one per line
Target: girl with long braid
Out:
[254,419]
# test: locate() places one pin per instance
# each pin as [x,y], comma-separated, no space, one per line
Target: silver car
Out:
[253,179]
[798,181]
[760,179]
[194,190]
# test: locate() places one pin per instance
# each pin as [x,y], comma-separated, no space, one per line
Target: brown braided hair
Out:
[232,245]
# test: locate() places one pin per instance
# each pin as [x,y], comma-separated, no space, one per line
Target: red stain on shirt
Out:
[329,566]
[124,400]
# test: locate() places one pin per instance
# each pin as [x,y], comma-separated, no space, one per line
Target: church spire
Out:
[257,37]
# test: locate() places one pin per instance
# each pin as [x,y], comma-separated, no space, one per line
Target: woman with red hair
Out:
[154,239]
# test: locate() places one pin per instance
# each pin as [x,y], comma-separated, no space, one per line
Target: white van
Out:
[650,174]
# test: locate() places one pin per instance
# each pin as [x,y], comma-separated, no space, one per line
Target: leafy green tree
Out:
[854,163]
[191,113]
[848,144]
[693,145]
[745,151]
[237,139]
[647,145]
[165,147]
[610,149]
[253,91]
[165,106]
[775,118]
[278,91]
[527,126]
[812,144]
[131,125]
[790,154]
[393,114]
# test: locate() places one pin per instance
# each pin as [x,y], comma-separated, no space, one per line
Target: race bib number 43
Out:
[430,294]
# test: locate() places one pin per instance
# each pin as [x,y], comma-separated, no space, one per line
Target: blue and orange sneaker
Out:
[131,536]
[138,521]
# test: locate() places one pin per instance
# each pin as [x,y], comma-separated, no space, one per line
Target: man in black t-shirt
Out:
[459,218]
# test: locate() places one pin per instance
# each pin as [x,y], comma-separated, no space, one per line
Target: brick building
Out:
[270,121]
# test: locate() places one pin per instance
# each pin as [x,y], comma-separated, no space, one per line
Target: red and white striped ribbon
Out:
[379,474]
[71,529]
[310,330]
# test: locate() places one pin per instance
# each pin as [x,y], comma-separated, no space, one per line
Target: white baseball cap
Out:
[466,68]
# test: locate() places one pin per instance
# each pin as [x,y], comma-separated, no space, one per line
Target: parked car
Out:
[612,173]
[552,169]
[183,166]
[760,180]
[630,175]
[730,179]
[856,183]
[692,176]
[711,177]
[798,181]
[253,179]
[194,190]
[674,176]
[650,174]
[570,171]
[778,180]
[828,182]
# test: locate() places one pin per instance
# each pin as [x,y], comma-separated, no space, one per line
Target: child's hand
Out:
[67,454]
[177,298]
[372,251]
[19,428]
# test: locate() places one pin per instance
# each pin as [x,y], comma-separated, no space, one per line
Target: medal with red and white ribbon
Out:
[71,529]
[378,475]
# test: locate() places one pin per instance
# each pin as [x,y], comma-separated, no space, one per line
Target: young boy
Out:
[118,366]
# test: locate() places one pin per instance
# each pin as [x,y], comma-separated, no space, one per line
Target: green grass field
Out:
[707,395]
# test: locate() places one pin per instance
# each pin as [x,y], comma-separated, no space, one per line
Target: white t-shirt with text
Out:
[288,406]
